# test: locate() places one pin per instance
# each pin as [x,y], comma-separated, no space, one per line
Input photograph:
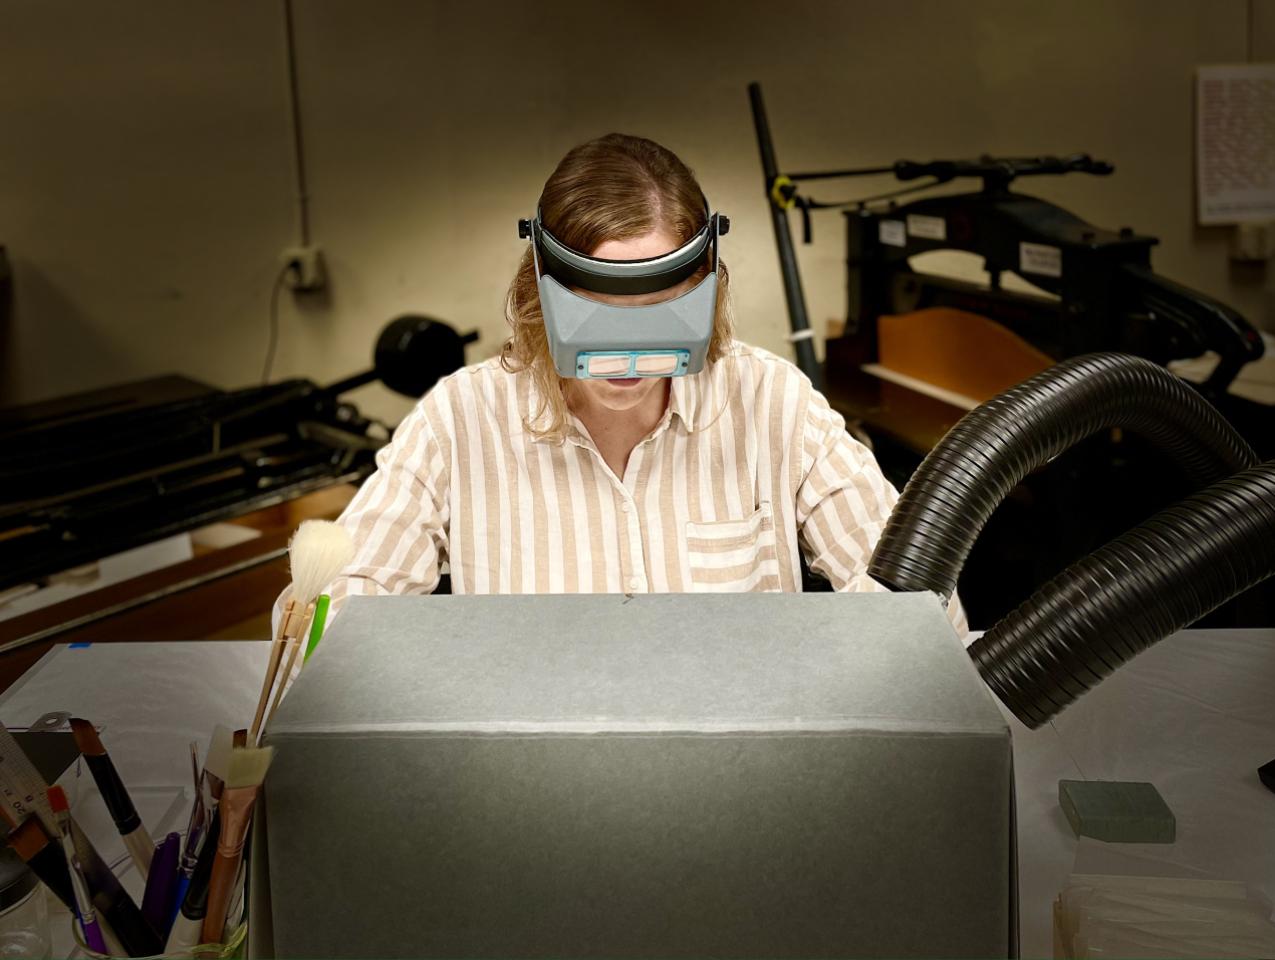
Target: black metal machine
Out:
[91,475]
[1095,290]
[1107,295]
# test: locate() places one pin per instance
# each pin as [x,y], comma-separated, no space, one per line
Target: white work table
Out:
[150,701]
[1195,715]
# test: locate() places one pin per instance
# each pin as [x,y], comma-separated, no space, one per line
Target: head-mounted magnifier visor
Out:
[591,339]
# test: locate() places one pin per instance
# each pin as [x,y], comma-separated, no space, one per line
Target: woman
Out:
[528,481]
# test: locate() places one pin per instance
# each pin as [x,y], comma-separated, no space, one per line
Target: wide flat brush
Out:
[140,846]
[248,769]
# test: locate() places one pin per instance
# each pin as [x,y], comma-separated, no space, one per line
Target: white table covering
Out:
[1194,715]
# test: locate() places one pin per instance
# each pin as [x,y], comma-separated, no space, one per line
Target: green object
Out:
[316,626]
[1117,812]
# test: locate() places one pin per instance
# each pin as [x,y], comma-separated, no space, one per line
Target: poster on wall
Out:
[1235,143]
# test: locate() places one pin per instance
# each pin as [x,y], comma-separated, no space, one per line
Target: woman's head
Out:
[619,198]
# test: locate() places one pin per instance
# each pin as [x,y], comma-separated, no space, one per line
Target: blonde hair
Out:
[616,187]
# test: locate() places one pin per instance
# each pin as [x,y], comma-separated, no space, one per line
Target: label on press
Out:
[892,233]
[1040,258]
[931,228]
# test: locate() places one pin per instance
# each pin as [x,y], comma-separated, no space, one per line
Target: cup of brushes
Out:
[193,904]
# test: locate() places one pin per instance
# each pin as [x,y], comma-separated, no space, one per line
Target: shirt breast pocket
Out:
[729,556]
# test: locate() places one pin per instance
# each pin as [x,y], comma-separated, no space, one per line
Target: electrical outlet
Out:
[303,269]
[1253,242]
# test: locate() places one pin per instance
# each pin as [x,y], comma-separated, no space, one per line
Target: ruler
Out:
[22,789]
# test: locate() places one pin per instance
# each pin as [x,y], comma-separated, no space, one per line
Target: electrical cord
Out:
[273,341]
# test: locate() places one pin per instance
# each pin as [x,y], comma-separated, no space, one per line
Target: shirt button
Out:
[635,583]
[625,506]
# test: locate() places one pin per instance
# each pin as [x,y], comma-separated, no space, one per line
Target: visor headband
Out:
[572,268]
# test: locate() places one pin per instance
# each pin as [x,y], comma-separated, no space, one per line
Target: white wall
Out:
[146,183]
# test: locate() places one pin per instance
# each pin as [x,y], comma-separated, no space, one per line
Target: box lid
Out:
[653,661]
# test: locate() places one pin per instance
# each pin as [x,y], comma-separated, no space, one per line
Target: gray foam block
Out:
[1116,811]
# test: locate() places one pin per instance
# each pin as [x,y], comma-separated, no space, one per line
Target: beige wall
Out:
[146,183]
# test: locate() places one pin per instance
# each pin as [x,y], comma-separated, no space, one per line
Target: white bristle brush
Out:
[318,552]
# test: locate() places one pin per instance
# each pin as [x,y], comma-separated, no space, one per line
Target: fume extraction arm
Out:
[1124,597]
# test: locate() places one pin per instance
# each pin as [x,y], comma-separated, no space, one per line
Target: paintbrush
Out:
[136,839]
[189,925]
[197,822]
[216,764]
[79,886]
[317,553]
[121,922]
[248,769]
[44,857]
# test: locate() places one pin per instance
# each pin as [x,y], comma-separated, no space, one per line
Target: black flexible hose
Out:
[1144,585]
[975,466]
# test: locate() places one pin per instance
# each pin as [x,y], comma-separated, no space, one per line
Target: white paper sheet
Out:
[1235,142]
[150,701]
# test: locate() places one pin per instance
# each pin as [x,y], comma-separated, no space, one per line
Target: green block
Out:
[1117,812]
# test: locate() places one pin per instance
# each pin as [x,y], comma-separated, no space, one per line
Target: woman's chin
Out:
[621,394]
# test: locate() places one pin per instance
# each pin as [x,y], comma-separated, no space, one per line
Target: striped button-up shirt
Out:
[748,468]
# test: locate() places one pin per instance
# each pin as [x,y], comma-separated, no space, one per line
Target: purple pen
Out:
[161,885]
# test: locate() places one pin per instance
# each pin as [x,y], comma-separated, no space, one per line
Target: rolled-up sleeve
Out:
[843,503]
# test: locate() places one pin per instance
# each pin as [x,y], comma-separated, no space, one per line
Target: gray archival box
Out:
[758,775]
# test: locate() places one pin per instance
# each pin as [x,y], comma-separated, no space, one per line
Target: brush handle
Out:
[194,826]
[289,626]
[219,891]
[113,946]
[51,867]
[113,904]
[83,905]
[236,816]
[120,805]
[189,925]
[142,849]
[187,932]
[134,933]
[114,793]
[234,916]
[294,647]
[276,651]
[93,934]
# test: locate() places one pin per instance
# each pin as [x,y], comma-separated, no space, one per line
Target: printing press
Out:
[110,472]
[918,350]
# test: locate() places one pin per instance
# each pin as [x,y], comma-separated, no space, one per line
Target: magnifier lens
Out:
[608,366]
[656,364]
